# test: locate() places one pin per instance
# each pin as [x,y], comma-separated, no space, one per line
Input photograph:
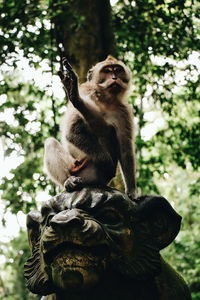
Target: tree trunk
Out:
[84,29]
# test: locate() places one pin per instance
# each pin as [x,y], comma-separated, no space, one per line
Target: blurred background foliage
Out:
[160,41]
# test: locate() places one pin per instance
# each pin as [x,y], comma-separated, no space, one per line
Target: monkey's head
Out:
[82,239]
[111,75]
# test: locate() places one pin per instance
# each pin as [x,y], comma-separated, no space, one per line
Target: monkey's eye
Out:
[50,216]
[118,69]
[45,210]
[107,70]
[125,80]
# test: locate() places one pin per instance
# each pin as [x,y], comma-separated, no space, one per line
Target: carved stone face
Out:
[78,237]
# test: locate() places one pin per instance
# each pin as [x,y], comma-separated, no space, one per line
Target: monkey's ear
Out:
[90,75]
[111,58]
[162,221]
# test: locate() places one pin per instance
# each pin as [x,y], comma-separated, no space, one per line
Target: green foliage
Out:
[24,137]
[156,37]
[24,26]
[13,269]
[160,42]
[184,252]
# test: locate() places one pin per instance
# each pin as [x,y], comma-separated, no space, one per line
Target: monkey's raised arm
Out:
[70,81]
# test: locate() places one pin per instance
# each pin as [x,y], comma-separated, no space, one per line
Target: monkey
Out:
[96,130]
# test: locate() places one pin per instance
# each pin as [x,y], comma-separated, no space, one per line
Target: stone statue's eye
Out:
[110,217]
[50,216]
[45,210]
[107,70]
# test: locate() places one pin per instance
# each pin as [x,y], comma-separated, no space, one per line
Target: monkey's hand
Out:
[132,196]
[70,81]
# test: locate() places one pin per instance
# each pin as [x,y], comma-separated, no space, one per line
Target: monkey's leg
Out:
[127,162]
[74,182]
[61,166]
[57,161]
[87,175]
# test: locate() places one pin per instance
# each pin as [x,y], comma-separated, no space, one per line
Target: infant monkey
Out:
[97,129]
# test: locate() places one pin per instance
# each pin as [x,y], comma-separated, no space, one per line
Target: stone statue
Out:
[97,244]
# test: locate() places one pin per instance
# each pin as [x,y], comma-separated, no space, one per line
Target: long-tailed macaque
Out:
[97,129]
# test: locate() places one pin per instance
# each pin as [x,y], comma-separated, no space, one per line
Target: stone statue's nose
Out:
[67,218]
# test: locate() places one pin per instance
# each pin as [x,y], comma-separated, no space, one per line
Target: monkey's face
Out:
[113,78]
[110,75]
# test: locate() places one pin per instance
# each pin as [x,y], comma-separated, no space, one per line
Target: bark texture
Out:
[84,28]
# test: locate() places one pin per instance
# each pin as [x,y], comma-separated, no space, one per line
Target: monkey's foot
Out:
[132,196]
[73,183]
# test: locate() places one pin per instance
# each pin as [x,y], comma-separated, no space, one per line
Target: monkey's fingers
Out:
[65,78]
[68,71]
[60,74]
[66,64]
[133,197]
